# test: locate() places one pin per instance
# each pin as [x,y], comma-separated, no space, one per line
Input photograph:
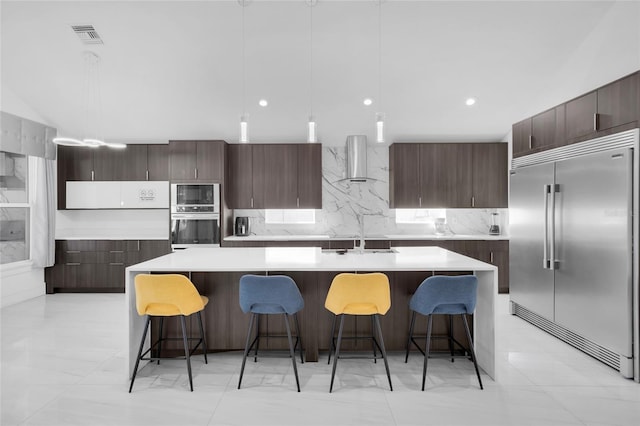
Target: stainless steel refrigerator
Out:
[572,266]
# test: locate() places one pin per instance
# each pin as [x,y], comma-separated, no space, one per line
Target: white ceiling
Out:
[173,69]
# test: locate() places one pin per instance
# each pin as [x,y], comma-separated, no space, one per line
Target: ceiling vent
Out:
[87,34]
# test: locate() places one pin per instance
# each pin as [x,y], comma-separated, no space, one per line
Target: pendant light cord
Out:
[380,53]
[244,76]
[311,5]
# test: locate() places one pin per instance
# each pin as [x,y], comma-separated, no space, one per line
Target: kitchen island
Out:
[216,271]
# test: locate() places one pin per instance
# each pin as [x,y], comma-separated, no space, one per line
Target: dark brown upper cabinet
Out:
[448,175]
[490,175]
[309,176]
[135,162]
[612,108]
[404,175]
[240,176]
[120,164]
[276,176]
[604,110]
[196,161]
[540,132]
[158,162]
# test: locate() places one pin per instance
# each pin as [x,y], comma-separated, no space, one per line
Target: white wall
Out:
[20,281]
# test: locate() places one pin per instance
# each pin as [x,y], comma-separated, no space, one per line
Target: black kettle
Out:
[242,226]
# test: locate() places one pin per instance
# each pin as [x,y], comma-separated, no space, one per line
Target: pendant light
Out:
[92,104]
[312,136]
[380,116]
[244,118]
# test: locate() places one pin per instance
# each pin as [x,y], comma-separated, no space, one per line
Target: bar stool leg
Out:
[450,337]
[160,341]
[382,349]
[298,336]
[186,350]
[337,354]
[373,341]
[246,349]
[144,336]
[473,352]
[255,354]
[291,351]
[426,352]
[204,340]
[331,339]
[413,322]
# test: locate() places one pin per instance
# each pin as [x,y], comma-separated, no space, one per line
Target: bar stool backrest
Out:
[166,295]
[442,294]
[269,294]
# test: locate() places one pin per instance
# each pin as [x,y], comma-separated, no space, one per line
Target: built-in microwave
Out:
[195,230]
[195,198]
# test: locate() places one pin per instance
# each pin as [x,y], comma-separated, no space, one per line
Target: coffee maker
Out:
[242,226]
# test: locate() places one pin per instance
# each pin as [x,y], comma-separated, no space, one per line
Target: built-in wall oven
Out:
[195,215]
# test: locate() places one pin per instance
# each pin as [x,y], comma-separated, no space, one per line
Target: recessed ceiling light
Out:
[263,102]
[470,101]
[367,101]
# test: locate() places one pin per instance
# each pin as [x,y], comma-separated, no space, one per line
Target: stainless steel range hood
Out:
[357,158]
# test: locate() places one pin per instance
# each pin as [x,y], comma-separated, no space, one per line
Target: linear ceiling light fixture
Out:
[244,123]
[380,116]
[312,135]
[92,120]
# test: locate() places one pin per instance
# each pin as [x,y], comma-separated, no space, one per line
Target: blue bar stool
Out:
[444,295]
[269,295]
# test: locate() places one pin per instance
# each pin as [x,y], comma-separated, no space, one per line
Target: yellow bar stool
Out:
[358,294]
[168,295]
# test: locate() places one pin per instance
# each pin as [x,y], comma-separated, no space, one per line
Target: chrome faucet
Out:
[361,220]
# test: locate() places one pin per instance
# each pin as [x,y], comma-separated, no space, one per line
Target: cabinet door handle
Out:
[116,251]
[72,264]
[138,245]
[419,201]
[251,202]
[93,175]
[491,257]
[473,201]
[73,251]
[195,173]
[530,141]
[116,264]
[147,174]
[297,201]
[596,121]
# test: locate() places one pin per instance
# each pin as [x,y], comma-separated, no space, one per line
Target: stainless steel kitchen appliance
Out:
[242,226]
[573,271]
[195,215]
[195,198]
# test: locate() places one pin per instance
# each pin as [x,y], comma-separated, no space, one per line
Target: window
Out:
[297,216]
[15,208]
[419,215]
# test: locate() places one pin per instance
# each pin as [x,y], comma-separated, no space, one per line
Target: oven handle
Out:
[196,216]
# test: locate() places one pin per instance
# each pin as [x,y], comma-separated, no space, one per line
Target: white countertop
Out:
[111,234]
[373,237]
[310,259]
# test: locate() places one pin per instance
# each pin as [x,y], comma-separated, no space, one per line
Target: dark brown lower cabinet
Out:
[495,252]
[98,266]
[226,325]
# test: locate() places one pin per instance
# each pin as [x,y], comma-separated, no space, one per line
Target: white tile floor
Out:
[63,364]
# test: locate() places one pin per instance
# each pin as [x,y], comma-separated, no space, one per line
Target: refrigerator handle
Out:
[545,241]
[553,189]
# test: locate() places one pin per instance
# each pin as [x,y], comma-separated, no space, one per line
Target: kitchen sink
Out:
[358,251]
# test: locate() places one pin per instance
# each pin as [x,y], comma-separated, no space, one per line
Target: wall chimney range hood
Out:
[357,158]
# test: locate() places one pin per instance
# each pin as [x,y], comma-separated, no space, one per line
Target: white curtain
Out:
[43,223]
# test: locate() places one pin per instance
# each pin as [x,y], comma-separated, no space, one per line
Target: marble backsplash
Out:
[347,206]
